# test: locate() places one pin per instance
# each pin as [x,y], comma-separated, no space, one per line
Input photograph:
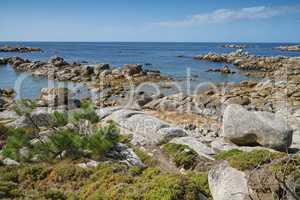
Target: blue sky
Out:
[151,20]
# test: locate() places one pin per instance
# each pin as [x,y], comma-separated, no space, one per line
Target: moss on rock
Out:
[243,160]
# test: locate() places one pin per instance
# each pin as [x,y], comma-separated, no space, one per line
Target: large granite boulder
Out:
[146,129]
[252,128]
[227,183]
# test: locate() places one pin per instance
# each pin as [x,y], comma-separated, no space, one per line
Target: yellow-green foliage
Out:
[112,181]
[243,160]
[66,171]
[287,166]
[181,155]
[42,181]
[108,181]
[145,158]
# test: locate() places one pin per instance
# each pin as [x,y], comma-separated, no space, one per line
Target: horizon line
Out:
[37,41]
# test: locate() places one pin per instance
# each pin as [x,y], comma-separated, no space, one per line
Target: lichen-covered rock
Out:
[244,127]
[145,128]
[195,144]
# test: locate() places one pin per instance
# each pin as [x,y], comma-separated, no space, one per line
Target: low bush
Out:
[181,155]
[114,181]
[243,160]
[103,139]
[16,140]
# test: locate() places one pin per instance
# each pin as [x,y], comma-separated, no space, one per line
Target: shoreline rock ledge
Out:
[253,128]
[289,48]
[20,49]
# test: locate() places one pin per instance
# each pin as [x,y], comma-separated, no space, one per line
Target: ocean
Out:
[157,56]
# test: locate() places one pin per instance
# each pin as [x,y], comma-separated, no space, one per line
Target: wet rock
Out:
[244,127]
[223,70]
[227,183]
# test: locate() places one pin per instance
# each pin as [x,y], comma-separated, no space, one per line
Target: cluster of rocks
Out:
[261,66]
[289,48]
[235,46]
[19,49]
[223,70]
[58,69]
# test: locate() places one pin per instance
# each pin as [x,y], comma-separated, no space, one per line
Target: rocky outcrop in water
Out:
[289,48]
[19,49]
[235,46]
[252,65]
[223,70]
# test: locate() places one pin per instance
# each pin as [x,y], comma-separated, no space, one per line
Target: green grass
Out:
[243,160]
[181,155]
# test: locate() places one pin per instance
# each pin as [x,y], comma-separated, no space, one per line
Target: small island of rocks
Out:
[20,49]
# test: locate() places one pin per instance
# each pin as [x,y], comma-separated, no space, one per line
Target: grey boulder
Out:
[227,183]
[250,128]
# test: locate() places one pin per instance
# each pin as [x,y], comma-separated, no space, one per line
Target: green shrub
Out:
[102,140]
[33,173]
[68,142]
[198,181]
[59,119]
[87,111]
[248,160]
[181,155]
[115,181]
[66,171]
[16,140]
[24,107]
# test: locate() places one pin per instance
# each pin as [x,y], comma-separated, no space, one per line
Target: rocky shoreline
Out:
[19,49]
[236,134]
